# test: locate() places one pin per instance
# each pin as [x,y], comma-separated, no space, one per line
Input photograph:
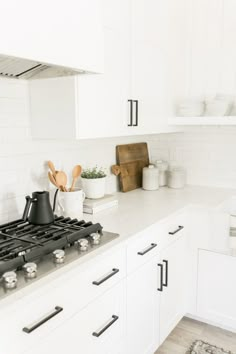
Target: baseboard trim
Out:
[212,323]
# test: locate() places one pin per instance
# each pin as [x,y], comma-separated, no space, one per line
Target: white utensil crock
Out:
[71,203]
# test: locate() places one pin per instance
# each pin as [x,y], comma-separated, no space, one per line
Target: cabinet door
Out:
[102,99]
[142,309]
[94,330]
[152,75]
[173,295]
[216,288]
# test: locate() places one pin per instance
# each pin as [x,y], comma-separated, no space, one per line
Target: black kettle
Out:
[41,212]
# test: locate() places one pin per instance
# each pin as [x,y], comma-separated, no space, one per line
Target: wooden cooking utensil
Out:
[75,174]
[61,180]
[52,179]
[52,168]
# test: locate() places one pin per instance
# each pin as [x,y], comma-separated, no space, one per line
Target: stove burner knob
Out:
[30,270]
[59,256]
[83,244]
[96,238]
[10,280]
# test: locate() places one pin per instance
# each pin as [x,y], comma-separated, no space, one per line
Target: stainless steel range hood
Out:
[19,68]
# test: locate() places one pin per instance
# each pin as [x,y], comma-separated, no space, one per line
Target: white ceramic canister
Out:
[176,177]
[162,167]
[150,178]
[71,203]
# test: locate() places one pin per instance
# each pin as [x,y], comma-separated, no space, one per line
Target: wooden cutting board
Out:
[131,158]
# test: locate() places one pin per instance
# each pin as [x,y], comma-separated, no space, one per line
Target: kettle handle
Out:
[29,200]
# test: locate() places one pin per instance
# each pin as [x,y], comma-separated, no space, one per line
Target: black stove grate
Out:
[21,242]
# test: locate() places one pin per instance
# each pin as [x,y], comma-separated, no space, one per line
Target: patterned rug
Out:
[200,347]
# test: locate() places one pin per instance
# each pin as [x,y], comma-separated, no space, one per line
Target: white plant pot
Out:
[94,188]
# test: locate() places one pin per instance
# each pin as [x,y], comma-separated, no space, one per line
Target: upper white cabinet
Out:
[132,96]
[66,33]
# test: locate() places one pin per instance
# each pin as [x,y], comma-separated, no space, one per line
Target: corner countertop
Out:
[139,209]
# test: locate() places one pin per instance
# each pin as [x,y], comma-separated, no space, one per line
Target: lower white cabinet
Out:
[98,329]
[217,288]
[173,286]
[142,309]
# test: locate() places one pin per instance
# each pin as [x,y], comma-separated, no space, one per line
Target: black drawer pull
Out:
[113,272]
[33,326]
[175,232]
[110,323]
[148,249]
[161,277]
[166,272]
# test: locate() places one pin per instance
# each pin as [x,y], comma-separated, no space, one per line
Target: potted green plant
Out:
[93,182]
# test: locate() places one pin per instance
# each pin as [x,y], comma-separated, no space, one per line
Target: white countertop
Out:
[136,211]
[139,209]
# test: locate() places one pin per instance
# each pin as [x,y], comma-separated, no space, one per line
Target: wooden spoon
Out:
[52,179]
[52,168]
[75,174]
[61,180]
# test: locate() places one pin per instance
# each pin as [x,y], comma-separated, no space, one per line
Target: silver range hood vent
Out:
[18,68]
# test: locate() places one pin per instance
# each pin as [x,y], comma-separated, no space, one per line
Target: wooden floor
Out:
[189,330]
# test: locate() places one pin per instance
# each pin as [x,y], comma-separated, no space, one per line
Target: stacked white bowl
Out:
[220,105]
[191,107]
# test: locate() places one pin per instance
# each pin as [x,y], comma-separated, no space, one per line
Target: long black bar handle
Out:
[52,314]
[136,113]
[177,230]
[166,272]
[130,124]
[160,265]
[113,272]
[98,334]
[142,253]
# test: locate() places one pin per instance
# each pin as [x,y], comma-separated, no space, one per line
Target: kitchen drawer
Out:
[145,245]
[95,330]
[72,292]
[174,228]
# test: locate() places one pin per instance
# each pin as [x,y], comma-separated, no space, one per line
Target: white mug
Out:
[71,203]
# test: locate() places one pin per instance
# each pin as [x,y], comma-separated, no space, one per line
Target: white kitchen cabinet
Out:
[173,289]
[216,291]
[97,329]
[66,33]
[153,79]
[88,106]
[142,309]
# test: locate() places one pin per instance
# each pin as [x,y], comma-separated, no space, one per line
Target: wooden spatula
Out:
[75,174]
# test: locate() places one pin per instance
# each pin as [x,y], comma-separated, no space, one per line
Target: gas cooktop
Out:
[30,251]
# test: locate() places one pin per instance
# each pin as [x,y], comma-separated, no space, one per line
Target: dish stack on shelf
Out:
[215,106]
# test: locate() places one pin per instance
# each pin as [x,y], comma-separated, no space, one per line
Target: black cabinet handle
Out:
[160,265]
[113,272]
[130,124]
[166,272]
[175,232]
[33,326]
[136,113]
[98,334]
[148,249]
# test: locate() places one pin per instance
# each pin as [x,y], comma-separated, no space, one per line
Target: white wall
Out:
[208,154]
[23,161]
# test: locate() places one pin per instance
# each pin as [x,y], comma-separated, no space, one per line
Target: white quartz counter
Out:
[136,211]
[139,209]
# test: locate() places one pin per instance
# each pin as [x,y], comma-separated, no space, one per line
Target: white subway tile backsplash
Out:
[209,154]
